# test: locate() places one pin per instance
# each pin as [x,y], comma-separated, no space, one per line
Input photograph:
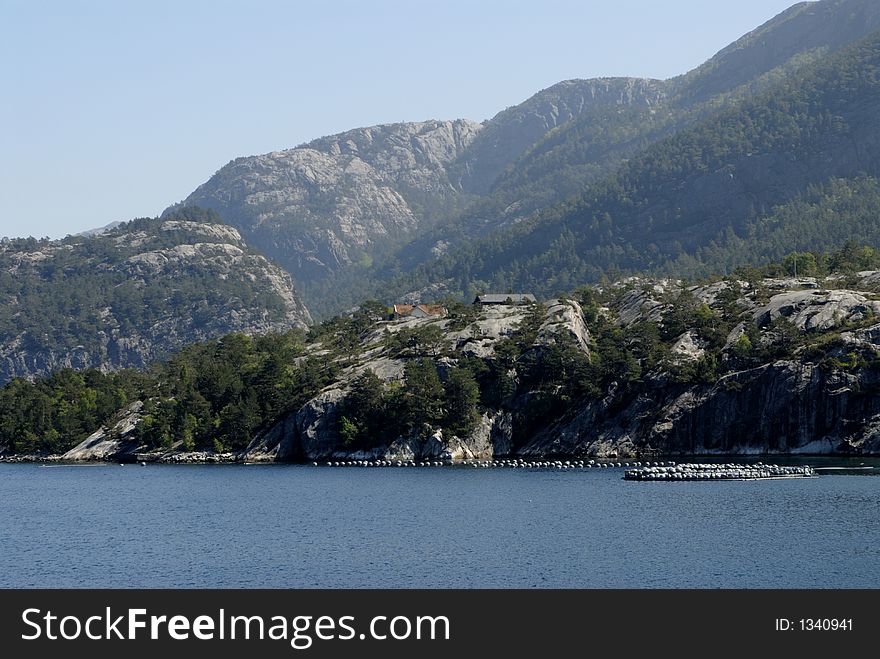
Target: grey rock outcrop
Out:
[110,443]
[818,310]
[492,325]
[785,407]
[435,446]
[311,432]
[687,348]
[643,299]
[339,200]
[565,318]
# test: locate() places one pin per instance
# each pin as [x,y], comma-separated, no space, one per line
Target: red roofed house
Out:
[420,311]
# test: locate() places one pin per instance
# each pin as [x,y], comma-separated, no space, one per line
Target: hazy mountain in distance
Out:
[347,213]
[733,177]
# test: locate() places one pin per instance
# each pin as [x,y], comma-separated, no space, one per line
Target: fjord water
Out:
[302,526]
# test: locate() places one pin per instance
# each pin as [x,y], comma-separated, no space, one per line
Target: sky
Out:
[114,110]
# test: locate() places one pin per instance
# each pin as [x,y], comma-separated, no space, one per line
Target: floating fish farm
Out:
[717,472]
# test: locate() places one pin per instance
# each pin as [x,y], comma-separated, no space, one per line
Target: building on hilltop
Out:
[420,311]
[505,298]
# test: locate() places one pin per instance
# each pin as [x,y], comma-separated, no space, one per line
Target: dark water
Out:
[298,526]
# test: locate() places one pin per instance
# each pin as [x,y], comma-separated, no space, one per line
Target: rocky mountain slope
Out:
[761,363]
[342,200]
[815,400]
[511,132]
[345,214]
[725,180]
[815,396]
[133,293]
[803,33]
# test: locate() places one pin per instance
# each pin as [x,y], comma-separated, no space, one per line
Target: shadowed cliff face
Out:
[787,407]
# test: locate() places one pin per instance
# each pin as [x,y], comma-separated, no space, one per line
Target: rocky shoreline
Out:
[734,390]
[559,462]
[195,457]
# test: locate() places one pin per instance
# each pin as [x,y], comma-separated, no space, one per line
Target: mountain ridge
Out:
[343,235]
[682,193]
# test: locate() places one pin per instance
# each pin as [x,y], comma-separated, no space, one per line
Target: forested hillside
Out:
[521,171]
[634,366]
[724,181]
[133,293]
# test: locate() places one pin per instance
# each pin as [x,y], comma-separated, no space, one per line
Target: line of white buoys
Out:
[500,463]
[711,471]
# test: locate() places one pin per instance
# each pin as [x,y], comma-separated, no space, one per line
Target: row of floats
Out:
[511,463]
[712,471]
[634,471]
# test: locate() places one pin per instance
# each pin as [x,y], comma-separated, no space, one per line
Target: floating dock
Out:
[717,472]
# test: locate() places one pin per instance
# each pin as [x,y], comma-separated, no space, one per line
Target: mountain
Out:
[343,200]
[589,147]
[800,34]
[130,294]
[597,141]
[715,183]
[347,213]
[511,132]
[342,203]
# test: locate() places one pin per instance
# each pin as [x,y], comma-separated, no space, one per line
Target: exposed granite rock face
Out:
[114,443]
[339,200]
[785,407]
[316,423]
[687,348]
[476,446]
[789,406]
[865,338]
[644,299]
[311,432]
[564,318]
[493,324]
[818,310]
[869,277]
[806,305]
[789,283]
[197,281]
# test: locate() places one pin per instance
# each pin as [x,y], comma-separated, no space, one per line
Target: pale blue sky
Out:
[115,109]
